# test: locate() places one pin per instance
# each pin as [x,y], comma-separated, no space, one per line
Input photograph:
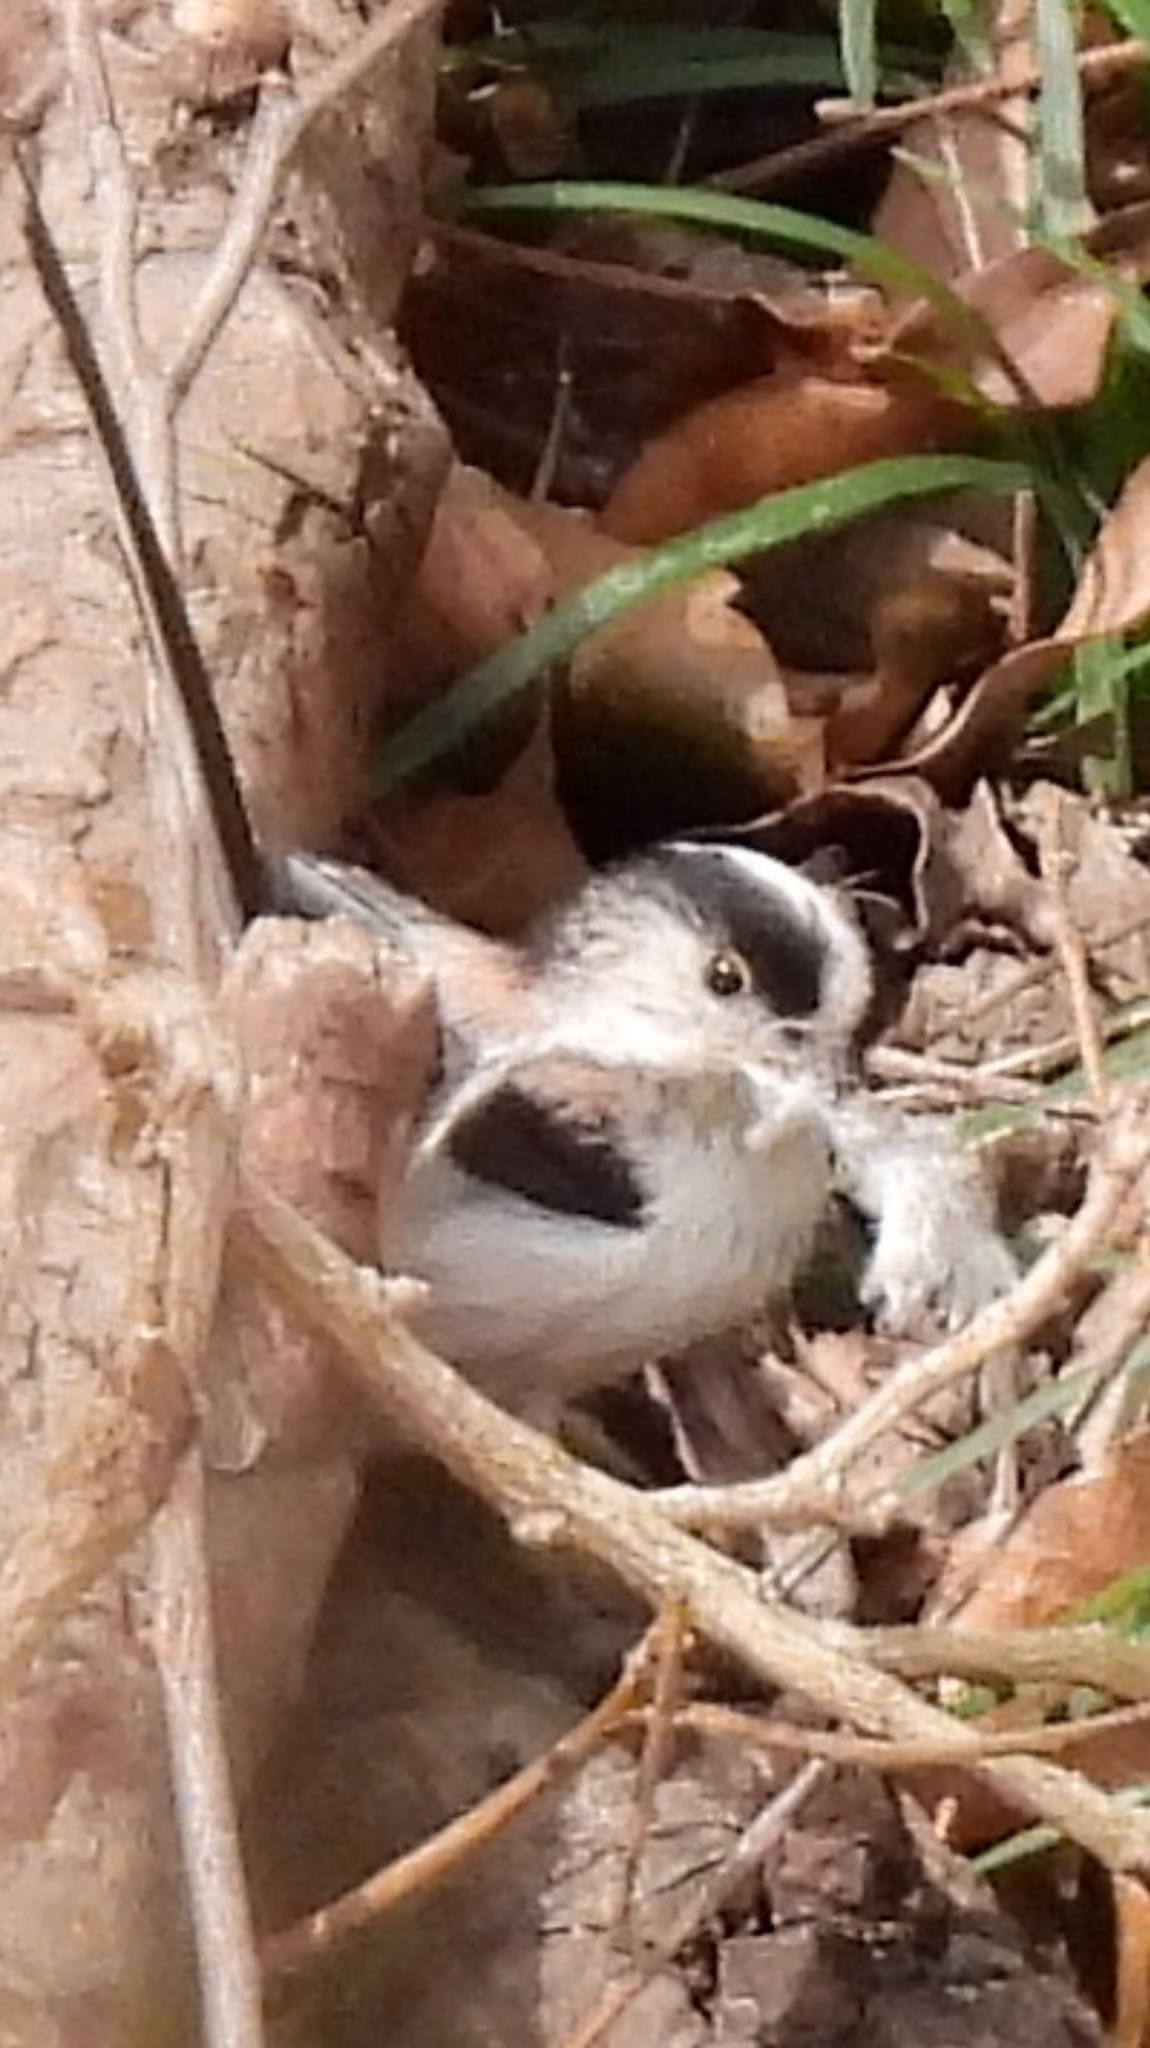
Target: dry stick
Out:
[668,1637]
[1035,972]
[1105,1411]
[1025,1656]
[1095,67]
[283,117]
[1059,1052]
[812,1486]
[178,1600]
[1055,862]
[910,1072]
[409,1876]
[547,1498]
[743,1861]
[1040,1737]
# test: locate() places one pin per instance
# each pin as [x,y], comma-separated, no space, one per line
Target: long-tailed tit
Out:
[644,1110]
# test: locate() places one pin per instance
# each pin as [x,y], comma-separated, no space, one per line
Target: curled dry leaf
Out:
[501,852]
[1113,596]
[646,320]
[673,714]
[482,579]
[790,428]
[493,859]
[923,634]
[888,837]
[1048,326]
[678,704]
[1078,1537]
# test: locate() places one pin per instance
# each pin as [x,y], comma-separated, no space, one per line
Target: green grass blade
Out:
[1133,16]
[859,52]
[783,225]
[588,66]
[1061,205]
[782,517]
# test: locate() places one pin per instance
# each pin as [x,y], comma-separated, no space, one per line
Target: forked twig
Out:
[1036,1738]
[854,131]
[547,1498]
[422,1868]
[812,1486]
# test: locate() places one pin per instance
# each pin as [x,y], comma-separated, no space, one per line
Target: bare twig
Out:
[1095,67]
[180,1628]
[810,1485]
[1024,1656]
[1038,1738]
[150,391]
[135,422]
[547,1498]
[425,1867]
[283,117]
[116,195]
[1056,1053]
[1055,862]
[667,1637]
[1117,1321]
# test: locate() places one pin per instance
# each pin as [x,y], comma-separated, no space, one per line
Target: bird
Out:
[645,1107]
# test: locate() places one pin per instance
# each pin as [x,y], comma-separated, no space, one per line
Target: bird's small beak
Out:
[781,1111]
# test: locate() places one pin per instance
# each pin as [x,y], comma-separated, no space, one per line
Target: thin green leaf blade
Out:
[857,40]
[1061,204]
[770,523]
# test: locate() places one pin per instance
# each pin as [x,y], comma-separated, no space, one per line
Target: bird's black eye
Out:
[727,974]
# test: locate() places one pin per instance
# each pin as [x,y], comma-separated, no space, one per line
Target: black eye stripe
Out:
[786,956]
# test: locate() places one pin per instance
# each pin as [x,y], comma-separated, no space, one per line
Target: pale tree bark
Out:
[237,250]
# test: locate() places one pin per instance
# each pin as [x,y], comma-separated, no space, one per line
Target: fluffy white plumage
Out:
[644,1110]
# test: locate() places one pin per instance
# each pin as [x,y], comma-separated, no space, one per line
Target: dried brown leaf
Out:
[1113,596]
[790,428]
[1076,1538]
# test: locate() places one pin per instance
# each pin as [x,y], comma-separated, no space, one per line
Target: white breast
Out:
[537,1307]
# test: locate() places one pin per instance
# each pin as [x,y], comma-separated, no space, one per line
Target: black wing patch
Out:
[560,1157]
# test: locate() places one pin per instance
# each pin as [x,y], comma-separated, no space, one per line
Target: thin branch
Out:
[180,1629]
[668,1637]
[1096,67]
[410,1876]
[116,195]
[813,1484]
[1055,862]
[547,1498]
[1045,1738]
[1023,1656]
[283,118]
